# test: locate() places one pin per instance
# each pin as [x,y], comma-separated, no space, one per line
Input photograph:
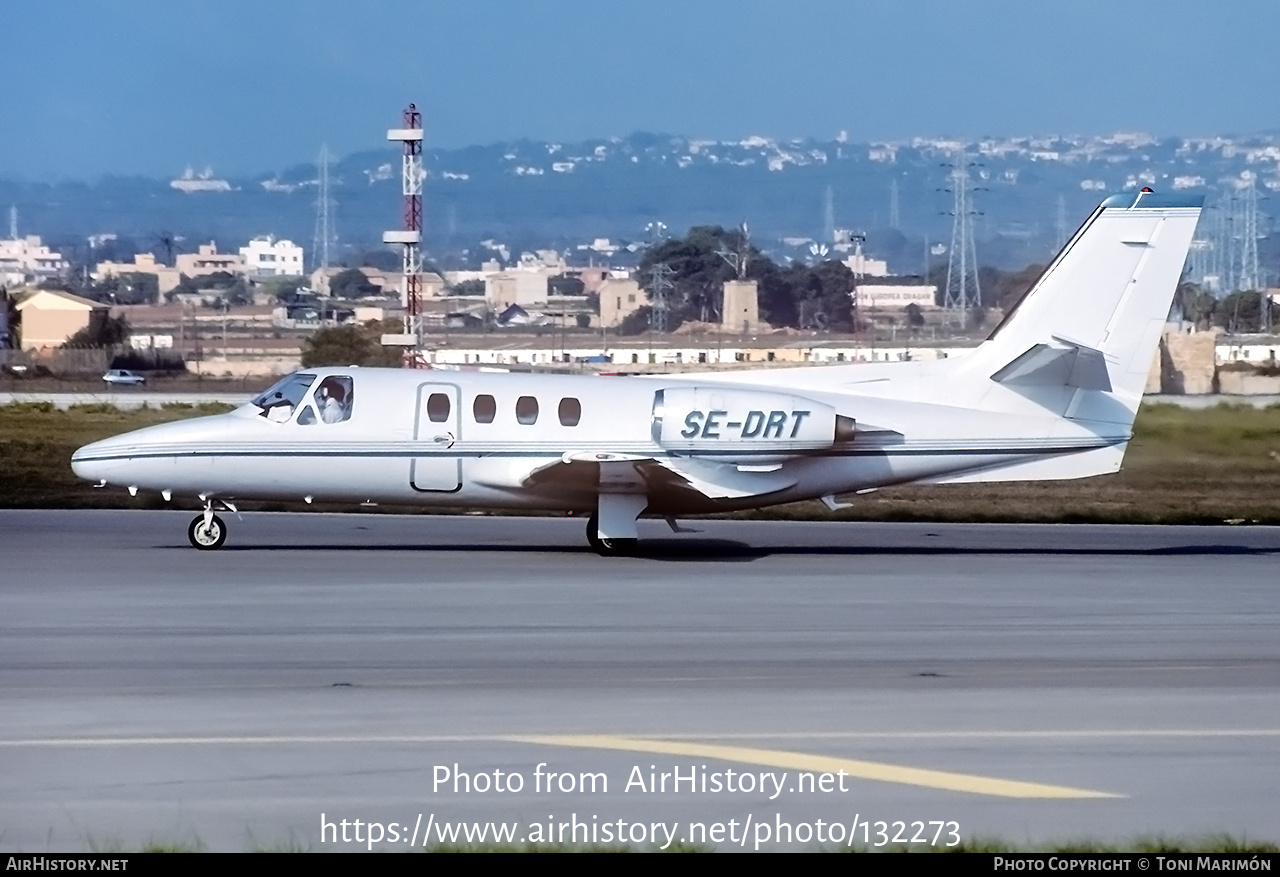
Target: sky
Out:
[151,86]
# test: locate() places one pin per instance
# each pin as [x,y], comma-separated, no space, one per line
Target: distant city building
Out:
[525,288]
[27,260]
[204,181]
[453,278]
[619,299]
[601,245]
[207,260]
[862,266]
[591,277]
[549,260]
[268,257]
[143,263]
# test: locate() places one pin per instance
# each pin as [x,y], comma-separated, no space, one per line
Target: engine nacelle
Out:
[745,425]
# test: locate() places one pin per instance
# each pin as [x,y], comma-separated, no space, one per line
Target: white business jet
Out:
[1052,394]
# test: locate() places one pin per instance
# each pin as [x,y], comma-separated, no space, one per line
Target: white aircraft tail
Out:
[1092,322]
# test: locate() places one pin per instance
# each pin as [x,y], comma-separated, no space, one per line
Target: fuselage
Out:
[696,443]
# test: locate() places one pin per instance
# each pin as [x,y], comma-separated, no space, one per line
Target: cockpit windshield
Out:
[279,402]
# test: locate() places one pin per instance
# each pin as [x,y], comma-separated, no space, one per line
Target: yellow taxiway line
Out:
[799,761]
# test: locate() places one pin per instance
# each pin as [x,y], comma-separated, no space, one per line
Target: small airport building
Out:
[50,317]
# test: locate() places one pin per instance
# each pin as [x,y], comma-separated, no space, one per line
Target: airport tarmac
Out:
[1029,682]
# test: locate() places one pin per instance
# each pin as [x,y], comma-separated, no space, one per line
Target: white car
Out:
[124,377]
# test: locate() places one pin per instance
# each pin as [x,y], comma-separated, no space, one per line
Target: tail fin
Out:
[1093,319]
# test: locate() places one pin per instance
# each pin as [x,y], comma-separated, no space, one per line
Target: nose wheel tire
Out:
[209,536]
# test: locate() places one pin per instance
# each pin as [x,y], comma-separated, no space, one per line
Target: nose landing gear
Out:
[207,531]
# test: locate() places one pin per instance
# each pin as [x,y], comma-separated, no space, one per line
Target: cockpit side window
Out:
[334,397]
[279,402]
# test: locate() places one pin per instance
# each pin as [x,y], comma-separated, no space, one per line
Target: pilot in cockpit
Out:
[334,397]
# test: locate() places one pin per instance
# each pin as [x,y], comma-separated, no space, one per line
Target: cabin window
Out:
[484,409]
[333,398]
[526,410]
[570,411]
[438,407]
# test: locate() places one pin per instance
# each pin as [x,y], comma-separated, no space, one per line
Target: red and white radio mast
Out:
[410,236]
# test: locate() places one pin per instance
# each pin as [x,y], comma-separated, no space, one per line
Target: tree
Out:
[832,286]
[1195,304]
[637,322]
[13,320]
[1004,289]
[106,331]
[809,297]
[699,272]
[383,260]
[351,283]
[799,295]
[124,289]
[1240,311]
[352,345]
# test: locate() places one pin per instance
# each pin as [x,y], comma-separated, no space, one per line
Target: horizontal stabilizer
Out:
[1060,363]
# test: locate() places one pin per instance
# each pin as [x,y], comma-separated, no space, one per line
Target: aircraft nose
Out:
[130,458]
[92,462]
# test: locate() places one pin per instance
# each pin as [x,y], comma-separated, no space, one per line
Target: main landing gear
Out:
[207,531]
[611,530]
[607,547]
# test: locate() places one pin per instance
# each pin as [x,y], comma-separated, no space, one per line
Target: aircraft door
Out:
[436,428]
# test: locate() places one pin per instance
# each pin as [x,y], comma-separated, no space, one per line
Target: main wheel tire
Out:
[617,547]
[209,537]
[593,533]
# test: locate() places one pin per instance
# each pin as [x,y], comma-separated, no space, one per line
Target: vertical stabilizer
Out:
[1092,322]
